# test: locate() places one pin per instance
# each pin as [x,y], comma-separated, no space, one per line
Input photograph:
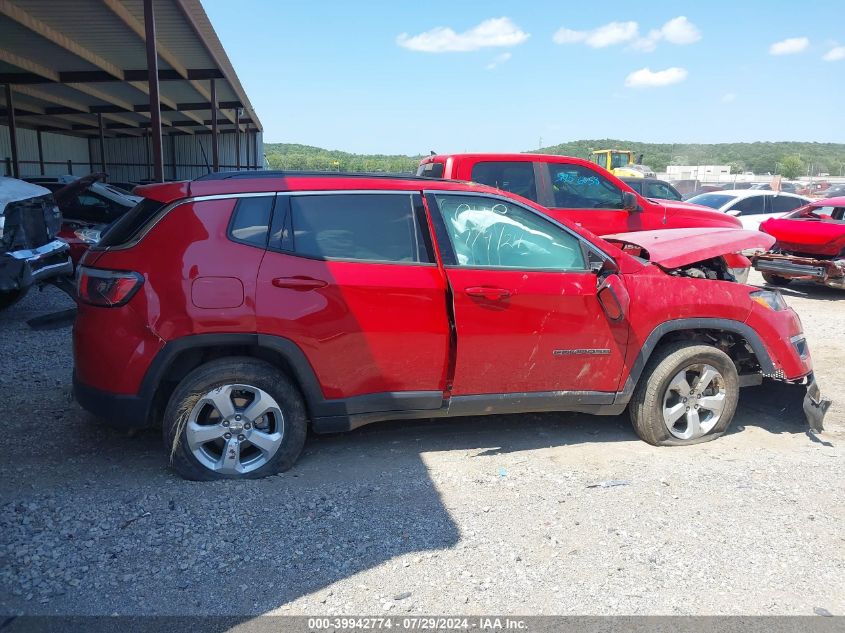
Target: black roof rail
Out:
[234,175]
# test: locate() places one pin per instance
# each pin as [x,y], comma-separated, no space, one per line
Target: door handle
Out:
[299,282]
[485,292]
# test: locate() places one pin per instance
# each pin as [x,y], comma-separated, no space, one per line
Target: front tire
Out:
[775,280]
[234,418]
[687,394]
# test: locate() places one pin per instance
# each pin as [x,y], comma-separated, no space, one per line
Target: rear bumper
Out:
[824,271]
[23,268]
[119,410]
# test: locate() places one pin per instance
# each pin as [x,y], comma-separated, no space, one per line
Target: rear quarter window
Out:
[250,223]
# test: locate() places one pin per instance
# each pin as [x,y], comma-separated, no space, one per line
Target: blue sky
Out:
[409,77]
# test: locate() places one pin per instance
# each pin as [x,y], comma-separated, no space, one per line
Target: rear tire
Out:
[234,418]
[776,280]
[671,406]
[11,297]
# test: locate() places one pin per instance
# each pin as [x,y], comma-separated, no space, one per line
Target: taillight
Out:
[109,288]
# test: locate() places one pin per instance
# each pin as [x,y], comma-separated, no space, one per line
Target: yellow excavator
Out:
[621,163]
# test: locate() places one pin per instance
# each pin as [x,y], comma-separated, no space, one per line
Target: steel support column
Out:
[152,80]
[40,151]
[215,145]
[102,142]
[237,141]
[13,132]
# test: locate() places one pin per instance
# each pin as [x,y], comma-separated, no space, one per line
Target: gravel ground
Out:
[530,514]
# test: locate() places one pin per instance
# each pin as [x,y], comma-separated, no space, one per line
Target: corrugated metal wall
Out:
[127,159]
[58,150]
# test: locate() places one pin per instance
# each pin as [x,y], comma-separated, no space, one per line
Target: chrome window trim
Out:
[581,239]
[158,217]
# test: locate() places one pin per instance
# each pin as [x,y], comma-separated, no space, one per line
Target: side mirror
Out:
[629,202]
[613,298]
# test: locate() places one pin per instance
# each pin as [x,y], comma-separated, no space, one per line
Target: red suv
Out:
[236,309]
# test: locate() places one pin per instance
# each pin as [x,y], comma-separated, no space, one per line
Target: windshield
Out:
[819,212]
[712,200]
[618,159]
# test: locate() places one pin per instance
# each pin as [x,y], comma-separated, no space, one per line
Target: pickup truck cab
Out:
[574,189]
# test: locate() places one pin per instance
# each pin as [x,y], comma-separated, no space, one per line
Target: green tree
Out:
[791,167]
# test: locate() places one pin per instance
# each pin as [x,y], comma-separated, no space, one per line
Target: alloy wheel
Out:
[235,429]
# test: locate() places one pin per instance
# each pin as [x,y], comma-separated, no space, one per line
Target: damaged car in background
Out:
[88,205]
[809,245]
[30,253]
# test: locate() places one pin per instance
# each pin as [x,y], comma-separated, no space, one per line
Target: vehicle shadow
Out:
[809,290]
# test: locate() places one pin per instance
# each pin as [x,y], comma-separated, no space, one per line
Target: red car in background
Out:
[810,245]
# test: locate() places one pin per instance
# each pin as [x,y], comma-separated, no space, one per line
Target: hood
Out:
[807,235]
[14,190]
[695,215]
[672,248]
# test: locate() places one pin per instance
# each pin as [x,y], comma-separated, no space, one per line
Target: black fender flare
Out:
[675,325]
[295,358]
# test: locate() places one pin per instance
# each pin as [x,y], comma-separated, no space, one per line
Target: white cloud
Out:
[647,78]
[498,60]
[728,97]
[834,54]
[606,35]
[612,33]
[495,32]
[678,30]
[568,36]
[789,46]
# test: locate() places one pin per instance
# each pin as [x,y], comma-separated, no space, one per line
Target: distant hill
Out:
[757,157]
[299,157]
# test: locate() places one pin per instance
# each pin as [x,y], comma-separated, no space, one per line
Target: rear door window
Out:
[358,227]
[785,204]
[754,205]
[516,177]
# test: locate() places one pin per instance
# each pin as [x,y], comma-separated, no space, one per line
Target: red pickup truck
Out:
[581,192]
[575,189]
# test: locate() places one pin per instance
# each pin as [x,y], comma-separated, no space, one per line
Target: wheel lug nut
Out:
[225,422]
[227,436]
[238,418]
[685,400]
[241,437]
[696,406]
[687,408]
[247,425]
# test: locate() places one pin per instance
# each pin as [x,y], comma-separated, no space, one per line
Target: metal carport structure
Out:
[141,89]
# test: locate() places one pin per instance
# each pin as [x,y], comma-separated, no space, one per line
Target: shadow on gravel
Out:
[774,406]
[809,290]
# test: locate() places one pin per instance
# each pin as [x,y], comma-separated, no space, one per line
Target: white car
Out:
[751,206]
